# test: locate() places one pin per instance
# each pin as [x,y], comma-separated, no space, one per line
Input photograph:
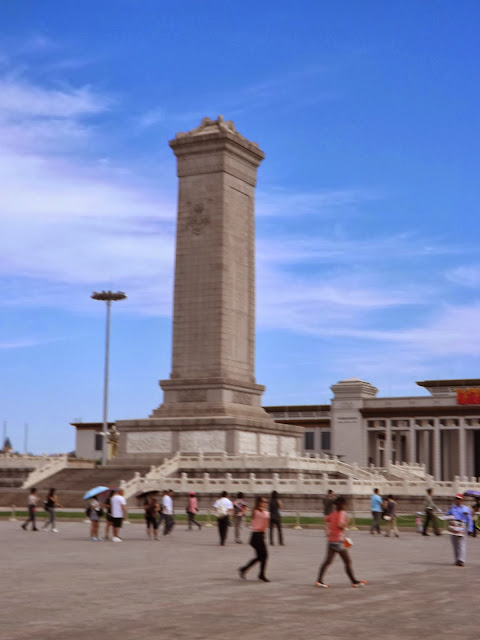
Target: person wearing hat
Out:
[460,522]
[192,510]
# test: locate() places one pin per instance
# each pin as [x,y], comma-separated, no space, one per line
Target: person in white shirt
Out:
[224,508]
[119,511]
[167,512]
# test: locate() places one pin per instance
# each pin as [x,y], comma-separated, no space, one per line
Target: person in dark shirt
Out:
[329,502]
[275,508]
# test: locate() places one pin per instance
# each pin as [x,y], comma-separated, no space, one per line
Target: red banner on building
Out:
[468,396]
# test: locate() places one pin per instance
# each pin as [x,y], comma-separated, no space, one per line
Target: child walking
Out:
[336,524]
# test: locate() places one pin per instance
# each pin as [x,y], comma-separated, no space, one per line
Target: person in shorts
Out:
[336,524]
[119,511]
[152,509]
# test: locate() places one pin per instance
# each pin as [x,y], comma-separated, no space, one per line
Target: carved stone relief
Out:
[288,446]
[149,442]
[203,441]
[268,444]
[247,442]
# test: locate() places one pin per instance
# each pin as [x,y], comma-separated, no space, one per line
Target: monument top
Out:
[210,133]
[208,126]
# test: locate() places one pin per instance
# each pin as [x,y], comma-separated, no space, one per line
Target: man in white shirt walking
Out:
[167,512]
[224,508]
[119,511]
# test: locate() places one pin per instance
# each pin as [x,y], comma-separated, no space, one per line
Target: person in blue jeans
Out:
[376,507]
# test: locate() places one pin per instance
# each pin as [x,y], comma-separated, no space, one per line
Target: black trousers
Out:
[223,529]
[257,541]
[430,517]
[191,520]
[169,522]
[278,524]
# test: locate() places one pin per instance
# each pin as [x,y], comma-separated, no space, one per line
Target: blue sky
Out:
[367,201]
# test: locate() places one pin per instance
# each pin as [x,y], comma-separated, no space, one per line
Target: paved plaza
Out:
[64,586]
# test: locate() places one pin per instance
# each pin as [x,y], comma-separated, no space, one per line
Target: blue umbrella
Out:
[473,493]
[94,492]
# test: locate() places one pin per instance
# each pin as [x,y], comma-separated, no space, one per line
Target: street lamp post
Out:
[108,297]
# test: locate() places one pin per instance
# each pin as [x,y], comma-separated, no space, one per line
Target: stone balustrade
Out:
[51,465]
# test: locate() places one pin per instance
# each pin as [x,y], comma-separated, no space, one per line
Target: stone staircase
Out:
[13,478]
[71,484]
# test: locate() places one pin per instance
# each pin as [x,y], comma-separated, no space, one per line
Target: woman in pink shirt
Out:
[336,523]
[259,524]
[192,510]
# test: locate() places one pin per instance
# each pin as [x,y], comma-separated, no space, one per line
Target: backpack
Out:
[88,511]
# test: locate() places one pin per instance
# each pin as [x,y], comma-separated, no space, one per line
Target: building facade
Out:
[440,430]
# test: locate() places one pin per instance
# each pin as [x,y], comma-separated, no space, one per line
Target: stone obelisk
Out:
[212,402]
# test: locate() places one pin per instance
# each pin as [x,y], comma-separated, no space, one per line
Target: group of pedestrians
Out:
[115,506]
[265,516]
[50,505]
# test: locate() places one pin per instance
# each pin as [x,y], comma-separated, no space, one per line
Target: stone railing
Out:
[251,484]
[408,471]
[224,461]
[51,465]
[20,461]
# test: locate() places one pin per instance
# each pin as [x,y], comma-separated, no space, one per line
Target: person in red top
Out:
[192,510]
[259,524]
[336,524]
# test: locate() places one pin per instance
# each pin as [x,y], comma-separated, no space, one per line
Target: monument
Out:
[212,402]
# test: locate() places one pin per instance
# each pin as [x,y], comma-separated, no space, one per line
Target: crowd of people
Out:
[266,516]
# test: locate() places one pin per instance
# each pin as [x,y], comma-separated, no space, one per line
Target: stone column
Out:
[213,352]
[436,471]
[388,442]
[412,444]
[462,468]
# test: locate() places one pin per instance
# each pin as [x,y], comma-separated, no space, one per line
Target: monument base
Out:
[164,437]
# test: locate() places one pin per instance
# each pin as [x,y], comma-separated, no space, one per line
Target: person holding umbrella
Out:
[94,510]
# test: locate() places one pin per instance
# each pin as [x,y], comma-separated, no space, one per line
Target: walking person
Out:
[429,507]
[275,507]
[336,524]
[167,512]
[32,508]
[376,507]
[192,510]
[259,524]
[240,510]
[390,517]
[119,512]
[108,517]
[329,502]
[223,507]
[51,504]
[151,517]
[460,522]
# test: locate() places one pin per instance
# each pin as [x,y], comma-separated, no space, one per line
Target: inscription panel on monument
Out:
[149,442]
[203,441]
